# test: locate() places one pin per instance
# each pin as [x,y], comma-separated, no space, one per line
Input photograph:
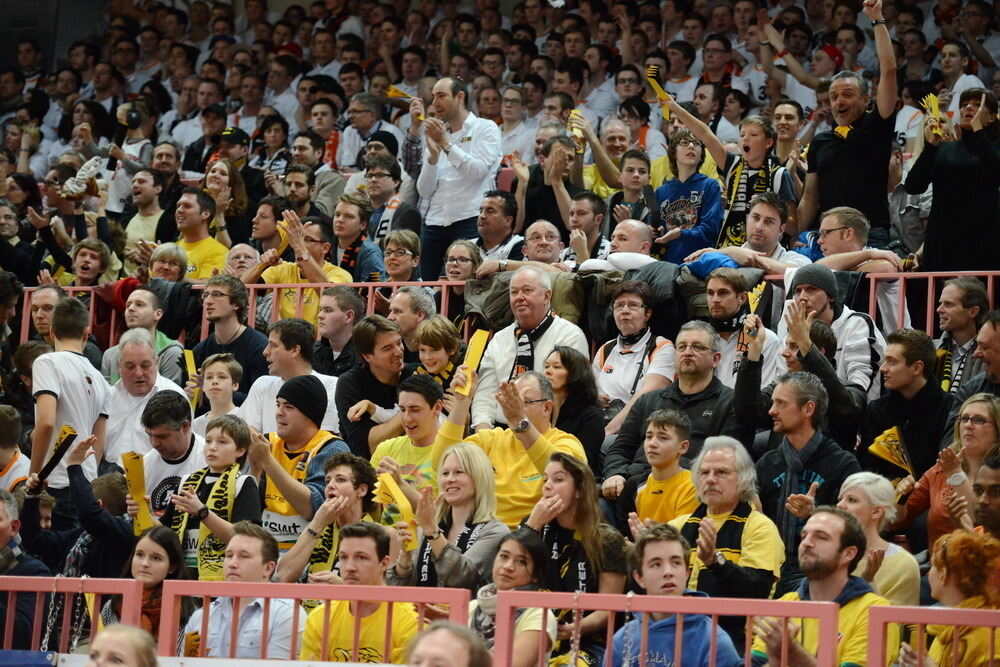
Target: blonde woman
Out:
[891,570]
[459,532]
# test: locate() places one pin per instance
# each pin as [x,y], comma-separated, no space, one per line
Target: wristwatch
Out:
[957,478]
[202,513]
[436,534]
[447,147]
[718,560]
[304,257]
[521,426]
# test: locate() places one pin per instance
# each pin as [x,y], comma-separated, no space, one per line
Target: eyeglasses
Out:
[462,261]
[975,421]
[694,347]
[214,294]
[537,400]
[355,112]
[309,240]
[374,177]
[627,80]
[823,233]
[688,143]
[622,305]
[398,253]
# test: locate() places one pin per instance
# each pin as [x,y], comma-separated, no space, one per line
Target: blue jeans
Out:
[434,242]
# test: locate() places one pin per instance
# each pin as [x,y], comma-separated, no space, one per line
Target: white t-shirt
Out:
[259,407]
[615,373]
[125,432]
[81,392]
[16,471]
[163,477]
[200,424]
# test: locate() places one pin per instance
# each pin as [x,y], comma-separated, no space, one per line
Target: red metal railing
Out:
[508,601]
[67,588]
[880,617]
[456,599]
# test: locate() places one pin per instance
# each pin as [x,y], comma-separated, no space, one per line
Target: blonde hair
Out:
[879,491]
[141,641]
[476,464]
[439,333]
[993,407]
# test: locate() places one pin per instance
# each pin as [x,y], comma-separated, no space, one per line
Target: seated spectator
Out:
[17,564]
[300,188]
[461,263]
[390,212]
[843,238]
[14,466]
[521,563]
[292,457]
[536,196]
[310,240]
[807,469]
[438,343]
[364,558]
[690,203]
[228,189]
[200,514]
[962,309]
[975,440]
[220,376]
[226,301]
[694,390]
[860,345]
[660,566]
[728,308]
[289,354]
[364,112]
[348,499]
[445,641]
[355,252]
[622,376]
[268,230]
[143,310]
[667,492]
[525,344]
[517,452]
[195,211]
[574,405]
[401,249]
[833,543]
[584,553]
[585,219]
[633,202]
[631,243]
[126,643]
[408,308]
[273,154]
[384,145]
[139,381]
[251,555]
[914,406]
[339,308]
[498,215]
[608,152]
[459,533]
[890,569]
[99,545]
[987,492]
[176,450]
[542,250]
[810,346]
[307,149]
[200,150]
[155,557]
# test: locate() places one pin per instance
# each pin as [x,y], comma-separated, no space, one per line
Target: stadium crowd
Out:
[605,186]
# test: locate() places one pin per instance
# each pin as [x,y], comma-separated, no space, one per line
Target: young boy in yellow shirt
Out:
[667,492]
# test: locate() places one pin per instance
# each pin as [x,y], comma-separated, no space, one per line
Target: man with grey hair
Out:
[364,113]
[408,307]
[697,393]
[139,381]
[847,165]
[524,344]
[736,551]
[807,469]
[14,562]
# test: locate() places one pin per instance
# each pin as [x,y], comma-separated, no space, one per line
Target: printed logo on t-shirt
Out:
[159,498]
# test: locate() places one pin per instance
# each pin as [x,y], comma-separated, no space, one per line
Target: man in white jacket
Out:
[523,345]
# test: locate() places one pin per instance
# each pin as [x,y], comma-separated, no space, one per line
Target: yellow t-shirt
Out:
[415,467]
[852,632]
[287,273]
[665,500]
[592,180]
[761,547]
[518,470]
[203,257]
[660,171]
[278,515]
[371,639]
[140,227]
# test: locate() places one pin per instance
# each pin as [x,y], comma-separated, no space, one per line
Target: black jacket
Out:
[710,411]
[586,422]
[24,607]
[924,422]
[323,361]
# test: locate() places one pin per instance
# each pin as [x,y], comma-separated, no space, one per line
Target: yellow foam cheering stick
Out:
[400,94]
[387,491]
[473,355]
[662,95]
[191,370]
[931,106]
[135,479]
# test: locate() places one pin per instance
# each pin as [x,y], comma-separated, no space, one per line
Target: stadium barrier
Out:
[456,600]
[508,601]
[62,604]
[920,618]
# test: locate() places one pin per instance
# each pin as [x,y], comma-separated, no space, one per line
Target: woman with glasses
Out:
[515,133]
[976,438]
[402,265]
[461,260]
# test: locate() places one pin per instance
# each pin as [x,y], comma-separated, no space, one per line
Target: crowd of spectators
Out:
[605,186]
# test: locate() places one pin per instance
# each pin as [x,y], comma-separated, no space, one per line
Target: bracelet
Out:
[221,229]
[878,22]
[763,43]
[783,53]
[436,534]
[312,532]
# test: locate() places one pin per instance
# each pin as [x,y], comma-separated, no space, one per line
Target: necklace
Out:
[236,335]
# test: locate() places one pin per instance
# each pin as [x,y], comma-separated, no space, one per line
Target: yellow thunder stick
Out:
[135,478]
[662,95]
[932,106]
[400,94]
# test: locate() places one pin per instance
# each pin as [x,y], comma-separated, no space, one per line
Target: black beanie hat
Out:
[308,395]
[817,275]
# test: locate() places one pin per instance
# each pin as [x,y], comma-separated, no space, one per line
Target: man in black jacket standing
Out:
[807,468]
[697,393]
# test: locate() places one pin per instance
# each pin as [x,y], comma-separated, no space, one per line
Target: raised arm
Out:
[700,130]
[794,66]
[887,90]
